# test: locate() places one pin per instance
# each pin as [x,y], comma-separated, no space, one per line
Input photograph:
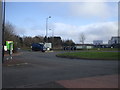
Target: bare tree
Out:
[10,35]
[68,43]
[27,41]
[8,32]
[82,38]
[38,39]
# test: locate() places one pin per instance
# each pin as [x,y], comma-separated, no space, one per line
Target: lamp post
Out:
[47,28]
[52,32]
[52,37]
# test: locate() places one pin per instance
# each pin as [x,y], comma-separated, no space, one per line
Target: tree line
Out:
[26,41]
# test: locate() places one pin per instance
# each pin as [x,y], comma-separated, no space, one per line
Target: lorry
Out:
[48,46]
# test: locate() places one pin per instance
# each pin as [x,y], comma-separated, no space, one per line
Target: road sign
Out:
[9,45]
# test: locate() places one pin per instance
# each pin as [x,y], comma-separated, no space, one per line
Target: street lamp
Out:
[52,37]
[52,32]
[47,27]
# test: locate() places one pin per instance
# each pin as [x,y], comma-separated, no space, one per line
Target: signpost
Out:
[9,45]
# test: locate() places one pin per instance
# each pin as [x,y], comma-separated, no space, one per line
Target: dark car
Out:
[38,47]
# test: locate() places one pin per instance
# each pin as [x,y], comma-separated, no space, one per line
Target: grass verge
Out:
[91,55]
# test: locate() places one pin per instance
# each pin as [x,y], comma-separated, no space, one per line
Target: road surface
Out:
[41,70]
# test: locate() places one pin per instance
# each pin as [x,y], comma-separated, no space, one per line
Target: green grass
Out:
[106,49]
[100,49]
[93,49]
[91,55]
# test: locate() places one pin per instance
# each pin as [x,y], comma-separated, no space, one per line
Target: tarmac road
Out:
[41,70]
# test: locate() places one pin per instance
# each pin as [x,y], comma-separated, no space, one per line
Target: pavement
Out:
[107,81]
[8,61]
[45,70]
[14,54]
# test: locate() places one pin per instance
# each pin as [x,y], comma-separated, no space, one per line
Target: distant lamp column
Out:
[47,28]
[52,36]
[52,32]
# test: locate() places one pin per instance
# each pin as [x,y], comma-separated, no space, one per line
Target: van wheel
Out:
[43,51]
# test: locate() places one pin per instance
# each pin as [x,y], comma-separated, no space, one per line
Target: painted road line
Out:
[17,64]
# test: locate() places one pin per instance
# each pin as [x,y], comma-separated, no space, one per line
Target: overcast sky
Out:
[97,20]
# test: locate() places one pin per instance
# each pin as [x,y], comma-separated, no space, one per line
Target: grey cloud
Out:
[98,31]
[93,9]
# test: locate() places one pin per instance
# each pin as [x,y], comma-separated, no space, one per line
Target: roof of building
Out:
[84,44]
[115,37]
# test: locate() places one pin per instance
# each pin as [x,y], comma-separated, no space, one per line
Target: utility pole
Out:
[3,29]
[52,37]
[47,28]
[1,8]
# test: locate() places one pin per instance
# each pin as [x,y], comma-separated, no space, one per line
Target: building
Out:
[114,42]
[109,42]
[97,42]
[84,46]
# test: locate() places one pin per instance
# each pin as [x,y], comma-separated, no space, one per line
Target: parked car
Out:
[38,47]
[69,48]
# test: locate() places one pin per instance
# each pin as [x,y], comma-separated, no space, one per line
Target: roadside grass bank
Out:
[90,55]
[105,49]
[92,50]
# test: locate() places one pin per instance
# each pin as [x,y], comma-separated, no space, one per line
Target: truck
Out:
[48,46]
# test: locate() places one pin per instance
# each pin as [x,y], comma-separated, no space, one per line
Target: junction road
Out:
[41,70]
